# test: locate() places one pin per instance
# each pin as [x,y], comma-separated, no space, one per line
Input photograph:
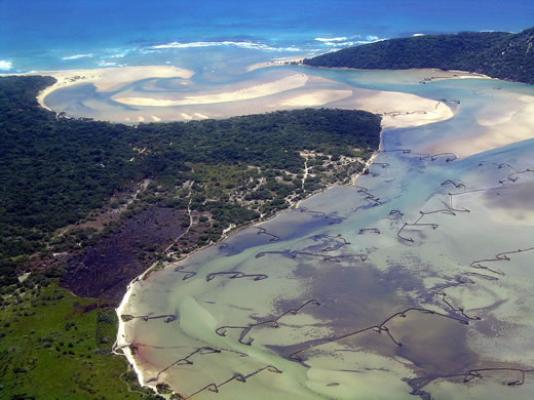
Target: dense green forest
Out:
[497,54]
[88,205]
[53,171]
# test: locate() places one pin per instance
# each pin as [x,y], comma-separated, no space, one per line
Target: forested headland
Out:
[87,205]
[497,54]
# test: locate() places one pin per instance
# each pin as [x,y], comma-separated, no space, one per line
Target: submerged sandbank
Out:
[135,101]
[106,79]
[246,93]
[501,123]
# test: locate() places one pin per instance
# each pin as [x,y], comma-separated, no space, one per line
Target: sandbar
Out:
[106,79]
[252,92]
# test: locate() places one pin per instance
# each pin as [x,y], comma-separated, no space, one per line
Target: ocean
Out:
[358,269]
[55,34]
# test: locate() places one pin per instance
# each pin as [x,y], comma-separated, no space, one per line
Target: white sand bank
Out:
[252,92]
[275,63]
[402,110]
[106,79]
[316,98]
[507,121]
[279,90]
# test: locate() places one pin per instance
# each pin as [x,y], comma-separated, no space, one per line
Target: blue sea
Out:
[59,34]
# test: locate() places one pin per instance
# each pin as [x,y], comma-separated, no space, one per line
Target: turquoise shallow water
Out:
[412,282]
[440,245]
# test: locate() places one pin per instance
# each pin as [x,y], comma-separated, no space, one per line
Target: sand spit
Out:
[273,91]
[275,63]
[292,91]
[438,75]
[106,79]
[252,92]
[502,123]
[401,110]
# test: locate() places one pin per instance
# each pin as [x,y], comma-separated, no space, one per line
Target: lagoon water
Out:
[414,281]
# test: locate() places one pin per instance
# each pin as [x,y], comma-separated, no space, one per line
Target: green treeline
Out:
[54,171]
[497,54]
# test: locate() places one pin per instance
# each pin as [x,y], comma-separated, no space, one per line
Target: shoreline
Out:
[291,90]
[455,73]
[125,350]
[105,79]
[276,62]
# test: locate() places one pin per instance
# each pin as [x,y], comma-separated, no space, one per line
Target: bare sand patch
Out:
[280,90]
[503,123]
[106,79]
[251,92]
[400,110]
[275,63]
[316,98]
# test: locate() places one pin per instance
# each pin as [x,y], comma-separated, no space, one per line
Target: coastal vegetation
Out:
[54,345]
[497,54]
[87,206]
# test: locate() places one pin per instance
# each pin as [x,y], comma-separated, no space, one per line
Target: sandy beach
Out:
[498,126]
[401,110]
[279,90]
[252,92]
[316,98]
[106,79]
[274,90]
[275,63]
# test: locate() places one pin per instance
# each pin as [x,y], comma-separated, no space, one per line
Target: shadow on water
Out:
[357,297]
